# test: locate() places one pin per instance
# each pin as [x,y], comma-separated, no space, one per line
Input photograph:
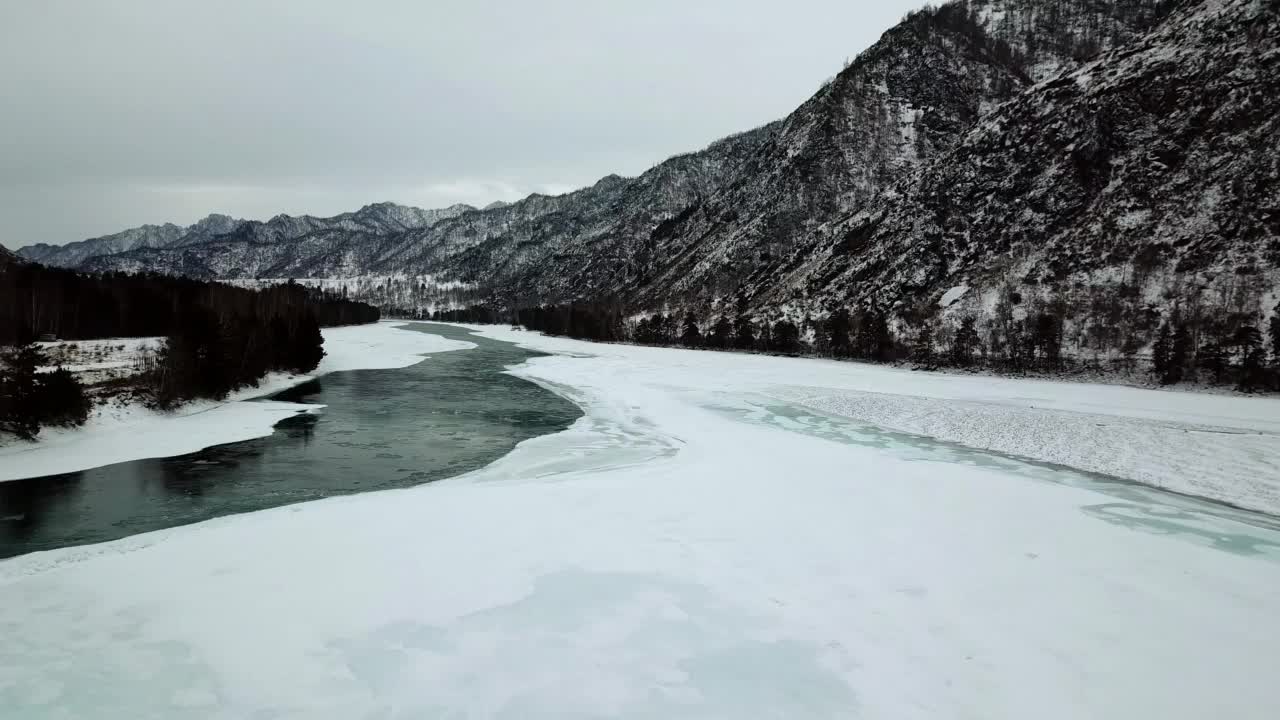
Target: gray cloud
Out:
[119,113]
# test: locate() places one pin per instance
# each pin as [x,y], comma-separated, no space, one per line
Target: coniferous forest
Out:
[1228,351]
[218,338]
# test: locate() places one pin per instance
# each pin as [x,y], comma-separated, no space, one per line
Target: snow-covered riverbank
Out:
[692,547]
[1217,446]
[117,434]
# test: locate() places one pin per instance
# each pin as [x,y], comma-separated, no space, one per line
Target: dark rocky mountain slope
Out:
[7,257]
[589,243]
[705,222]
[903,101]
[1109,165]
[1144,180]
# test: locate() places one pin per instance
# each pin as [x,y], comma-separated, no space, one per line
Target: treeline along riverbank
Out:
[218,338]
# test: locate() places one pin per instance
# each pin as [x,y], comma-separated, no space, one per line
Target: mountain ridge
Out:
[1105,155]
[380,217]
[974,145]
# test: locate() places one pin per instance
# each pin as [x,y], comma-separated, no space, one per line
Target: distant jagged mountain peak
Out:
[215,221]
[206,229]
[384,205]
[612,180]
[172,248]
[73,254]
[283,246]
[406,217]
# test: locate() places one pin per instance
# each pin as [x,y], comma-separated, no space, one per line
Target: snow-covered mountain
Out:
[147,236]
[905,100]
[73,254]
[284,246]
[1020,148]
[541,247]
[590,243]
[172,248]
[1152,167]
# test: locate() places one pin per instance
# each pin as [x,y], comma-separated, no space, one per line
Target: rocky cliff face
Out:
[907,99]
[1151,167]
[702,226]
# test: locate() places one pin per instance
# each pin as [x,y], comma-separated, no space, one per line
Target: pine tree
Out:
[20,388]
[874,341]
[764,336]
[922,347]
[838,333]
[744,333]
[62,399]
[966,342]
[1129,351]
[1212,359]
[1253,361]
[279,350]
[721,333]
[1047,339]
[1160,352]
[643,333]
[248,350]
[1275,338]
[308,345]
[664,329]
[195,360]
[785,337]
[1179,352]
[690,335]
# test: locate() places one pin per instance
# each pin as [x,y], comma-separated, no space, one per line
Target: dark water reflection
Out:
[381,429]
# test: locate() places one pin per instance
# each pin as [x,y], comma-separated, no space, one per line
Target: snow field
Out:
[660,558]
[1217,446]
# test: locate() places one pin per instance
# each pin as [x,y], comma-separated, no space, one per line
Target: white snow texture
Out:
[696,546]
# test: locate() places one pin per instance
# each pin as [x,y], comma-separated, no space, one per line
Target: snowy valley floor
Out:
[1217,446]
[720,536]
[118,433]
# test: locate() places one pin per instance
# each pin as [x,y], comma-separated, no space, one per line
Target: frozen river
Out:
[381,429]
[694,545]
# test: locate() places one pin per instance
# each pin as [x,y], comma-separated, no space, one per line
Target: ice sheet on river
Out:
[1222,447]
[689,548]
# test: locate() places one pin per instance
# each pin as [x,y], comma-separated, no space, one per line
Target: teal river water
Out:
[381,429]
[458,411]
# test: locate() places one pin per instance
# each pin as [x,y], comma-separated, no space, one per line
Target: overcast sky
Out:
[123,112]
